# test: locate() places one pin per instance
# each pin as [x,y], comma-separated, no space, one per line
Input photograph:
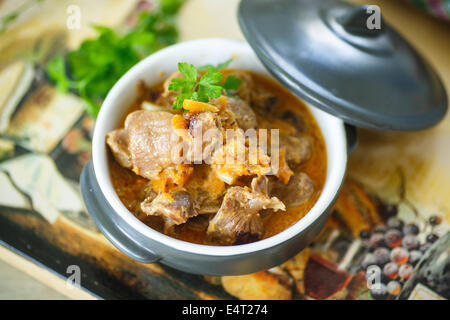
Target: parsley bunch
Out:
[93,69]
[207,88]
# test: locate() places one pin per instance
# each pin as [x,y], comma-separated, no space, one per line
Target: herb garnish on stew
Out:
[207,88]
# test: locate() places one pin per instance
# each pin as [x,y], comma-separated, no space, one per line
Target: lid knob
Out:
[358,21]
[360,26]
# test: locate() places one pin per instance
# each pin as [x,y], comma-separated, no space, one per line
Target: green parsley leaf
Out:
[182,84]
[209,92]
[180,99]
[211,77]
[232,83]
[171,6]
[207,88]
[224,65]
[94,68]
[219,67]
[188,70]
[56,70]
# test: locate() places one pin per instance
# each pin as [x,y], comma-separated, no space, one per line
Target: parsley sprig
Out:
[93,69]
[204,89]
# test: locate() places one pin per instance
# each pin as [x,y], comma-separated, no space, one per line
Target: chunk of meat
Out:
[234,223]
[260,185]
[299,189]
[151,139]
[298,147]
[206,128]
[259,99]
[205,203]
[238,220]
[199,223]
[262,101]
[235,159]
[235,111]
[206,189]
[174,207]
[150,106]
[247,86]
[294,118]
[284,172]
[226,116]
[117,141]
[171,178]
[244,115]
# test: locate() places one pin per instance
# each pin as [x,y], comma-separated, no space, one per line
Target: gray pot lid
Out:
[323,51]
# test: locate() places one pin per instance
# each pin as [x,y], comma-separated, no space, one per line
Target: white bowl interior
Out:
[156,68]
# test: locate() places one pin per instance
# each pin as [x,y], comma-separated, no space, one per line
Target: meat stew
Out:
[208,202]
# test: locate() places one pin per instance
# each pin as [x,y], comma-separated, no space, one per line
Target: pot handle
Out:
[108,222]
[352,138]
